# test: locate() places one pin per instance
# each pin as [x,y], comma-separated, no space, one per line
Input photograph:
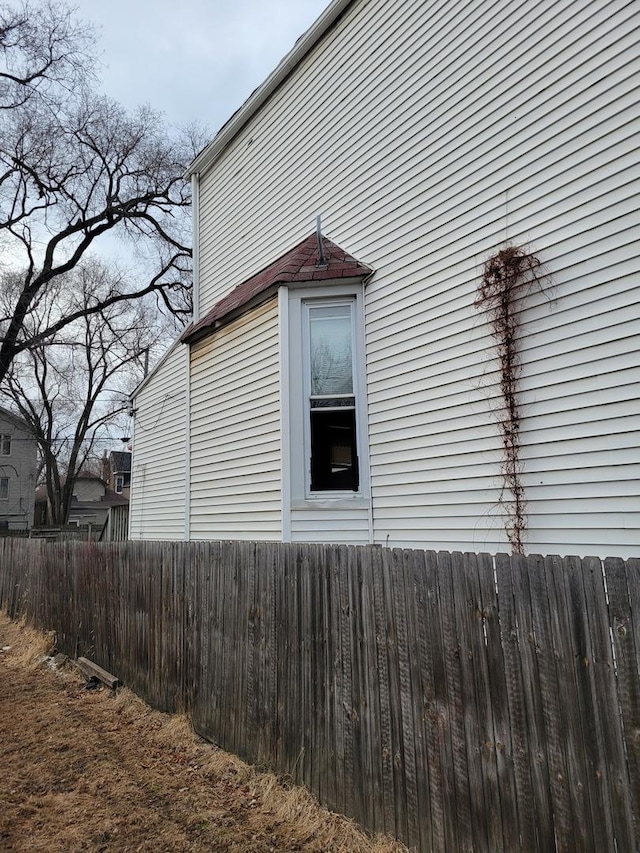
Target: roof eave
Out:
[263,297]
[302,47]
[16,419]
[145,381]
[204,331]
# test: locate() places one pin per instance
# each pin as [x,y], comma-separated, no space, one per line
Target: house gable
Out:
[261,95]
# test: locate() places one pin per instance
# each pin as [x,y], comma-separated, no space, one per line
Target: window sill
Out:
[331,503]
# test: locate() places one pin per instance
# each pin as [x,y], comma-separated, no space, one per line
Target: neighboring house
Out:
[348,391]
[118,471]
[91,504]
[18,462]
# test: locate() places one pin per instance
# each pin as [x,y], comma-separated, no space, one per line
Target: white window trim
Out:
[119,478]
[307,304]
[296,472]
[4,497]
[285,418]
[2,438]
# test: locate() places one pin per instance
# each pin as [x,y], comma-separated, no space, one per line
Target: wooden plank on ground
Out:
[92,670]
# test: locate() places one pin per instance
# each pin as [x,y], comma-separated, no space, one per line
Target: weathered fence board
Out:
[459,701]
[628,682]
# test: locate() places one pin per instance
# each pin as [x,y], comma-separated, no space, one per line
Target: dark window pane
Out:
[334,460]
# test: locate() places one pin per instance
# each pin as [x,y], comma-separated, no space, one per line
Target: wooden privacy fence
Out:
[460,702]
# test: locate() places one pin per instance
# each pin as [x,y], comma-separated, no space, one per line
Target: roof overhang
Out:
[239,119]
[306,264]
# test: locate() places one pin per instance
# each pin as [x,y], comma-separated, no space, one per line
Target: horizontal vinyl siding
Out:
[330,525]
[20,469]
[235,431]
[158,474]
[427,134]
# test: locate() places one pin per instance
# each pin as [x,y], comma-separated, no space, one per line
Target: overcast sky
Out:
[196,60]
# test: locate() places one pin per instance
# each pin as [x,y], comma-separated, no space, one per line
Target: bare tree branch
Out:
[65,392]
[75,167]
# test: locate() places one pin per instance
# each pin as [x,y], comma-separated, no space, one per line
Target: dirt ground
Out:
[100,771]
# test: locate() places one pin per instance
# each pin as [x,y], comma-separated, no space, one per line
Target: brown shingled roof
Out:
[301,264]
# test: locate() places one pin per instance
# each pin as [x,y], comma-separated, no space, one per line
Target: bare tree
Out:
[75,166]
[43,51]
[73,388]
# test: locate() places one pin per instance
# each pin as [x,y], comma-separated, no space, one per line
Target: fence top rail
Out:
[83,532]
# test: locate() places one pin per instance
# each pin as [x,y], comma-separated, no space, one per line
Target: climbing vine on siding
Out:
[508,277]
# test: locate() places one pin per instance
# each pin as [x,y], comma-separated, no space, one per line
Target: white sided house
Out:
[348,388]
[18,466]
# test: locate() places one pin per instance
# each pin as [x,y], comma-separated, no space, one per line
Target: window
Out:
[323,375]
[5,445]
[119,483]
[333,451]
[4,488]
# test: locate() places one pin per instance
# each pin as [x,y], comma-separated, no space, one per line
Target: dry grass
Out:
[98,771]
[30,647]
[294,805]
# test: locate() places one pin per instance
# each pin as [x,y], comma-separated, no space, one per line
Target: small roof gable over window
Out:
[303,264]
